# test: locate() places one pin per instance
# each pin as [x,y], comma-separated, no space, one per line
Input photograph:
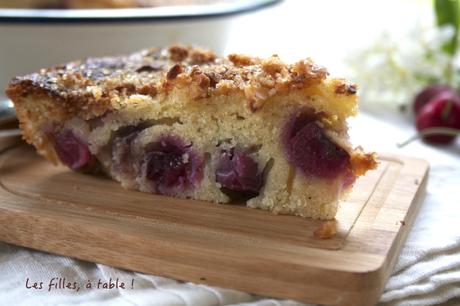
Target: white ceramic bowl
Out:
[37,38]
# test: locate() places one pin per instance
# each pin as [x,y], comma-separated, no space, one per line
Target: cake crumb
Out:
[326,231]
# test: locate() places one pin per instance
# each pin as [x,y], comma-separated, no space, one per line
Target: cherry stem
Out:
[429,132]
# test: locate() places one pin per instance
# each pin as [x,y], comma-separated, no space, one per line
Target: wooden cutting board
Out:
[92,218]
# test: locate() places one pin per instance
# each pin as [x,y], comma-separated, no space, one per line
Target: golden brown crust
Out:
[92,87]
[361,162]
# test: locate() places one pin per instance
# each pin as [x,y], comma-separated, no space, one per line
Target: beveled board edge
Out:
[395,217]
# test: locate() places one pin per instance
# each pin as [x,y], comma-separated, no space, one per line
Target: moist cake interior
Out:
[183,123]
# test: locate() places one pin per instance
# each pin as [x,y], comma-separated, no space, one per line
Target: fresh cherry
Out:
[239,172]
[428,93]
[310,150]
[71,150]
[443,110]
[172,165]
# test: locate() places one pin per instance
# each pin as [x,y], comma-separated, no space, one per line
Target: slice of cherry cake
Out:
[183,123]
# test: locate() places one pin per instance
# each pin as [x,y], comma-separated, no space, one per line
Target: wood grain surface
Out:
[92,218]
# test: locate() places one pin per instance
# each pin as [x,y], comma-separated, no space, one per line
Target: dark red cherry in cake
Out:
[310,150]
[172,165]
[71,150]
[428,93]
[238,171]
[443,110]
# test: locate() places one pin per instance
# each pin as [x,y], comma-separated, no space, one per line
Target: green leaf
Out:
[447,13]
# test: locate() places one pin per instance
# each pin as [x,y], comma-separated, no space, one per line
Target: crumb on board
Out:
[326,231]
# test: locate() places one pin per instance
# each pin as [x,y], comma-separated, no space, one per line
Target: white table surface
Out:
[428,271]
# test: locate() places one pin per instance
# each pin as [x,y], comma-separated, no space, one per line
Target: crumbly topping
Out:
[345,88]
[174,71]
[157,71]
[361,162]
[240,60]
[178,53]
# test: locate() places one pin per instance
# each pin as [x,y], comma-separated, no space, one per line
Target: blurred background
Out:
[402,53]
[328,31]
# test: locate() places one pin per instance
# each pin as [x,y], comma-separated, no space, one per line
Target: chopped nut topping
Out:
[346,88]
[148,89]
[200,56]
[178,53]
[306,71]
[241,60]
[256,97]
[200,84]
[174,71]
[273,65]
[151,72]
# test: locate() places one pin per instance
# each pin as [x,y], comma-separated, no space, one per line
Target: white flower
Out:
[397,65]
